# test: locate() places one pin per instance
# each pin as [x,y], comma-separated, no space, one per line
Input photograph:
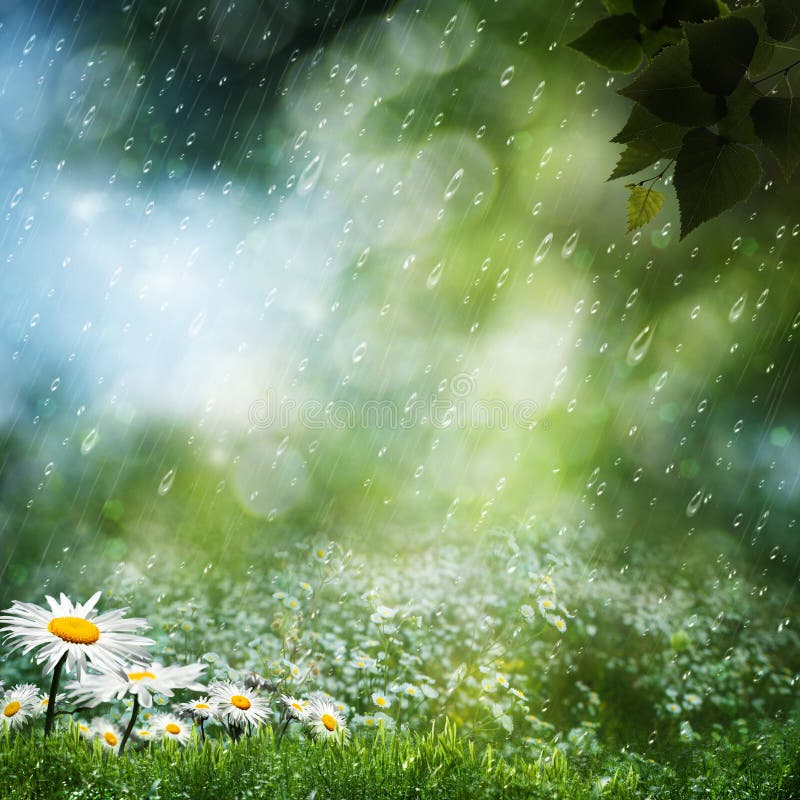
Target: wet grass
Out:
[439,764]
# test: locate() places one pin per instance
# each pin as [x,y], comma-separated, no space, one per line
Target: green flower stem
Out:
[131,723]
[51,703]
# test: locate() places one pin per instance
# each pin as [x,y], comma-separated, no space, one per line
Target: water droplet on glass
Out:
[506,77]
[359,352]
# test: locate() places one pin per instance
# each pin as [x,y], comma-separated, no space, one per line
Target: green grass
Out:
[439,764]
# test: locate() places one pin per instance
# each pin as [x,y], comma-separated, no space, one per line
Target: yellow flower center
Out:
[11,708]
[140,676]
[74,629]
[201,705]
[298,707]
[381,701]
[328,721]
[172,728]
[240,702]
[111,739]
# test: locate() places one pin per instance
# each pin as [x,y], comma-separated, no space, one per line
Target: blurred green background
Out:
[216,210]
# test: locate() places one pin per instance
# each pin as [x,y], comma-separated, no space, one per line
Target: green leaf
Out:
[643,205]
[765,48]
[619,6]
[712,175]
[737,124]
[777,123]
[653,42]
[724,11]
[642,124]
[782,18]
[634,158]
[677,11]
[613,42]
[648,139]
[649,12]
[720,52]
[667,89]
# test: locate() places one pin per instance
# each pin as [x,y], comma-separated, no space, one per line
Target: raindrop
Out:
[543,249]
[569,246]
[640,345]
[435,275]
[538,92]
[197,324]
[89,117]
[166,482]
[454,183]
[508,74]
[737,308]
[310,175]
[89,442]
[694,504]
[359,352]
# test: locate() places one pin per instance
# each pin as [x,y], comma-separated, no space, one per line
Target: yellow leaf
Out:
[643,205]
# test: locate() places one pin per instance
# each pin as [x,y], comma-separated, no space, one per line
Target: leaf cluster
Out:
[704,98]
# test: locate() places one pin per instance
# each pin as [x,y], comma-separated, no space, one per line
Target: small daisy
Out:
[294,707]
[673,708]
[74,633]
[557,622]
[106,733]
[199,710]
[325,722]
[143,734]
[694,700]
[142,681]
[84,730]
[410,690]
[237,705]
[381,700]
[169,728]
[19,705]
[320,554]
[546,605]
[502,679]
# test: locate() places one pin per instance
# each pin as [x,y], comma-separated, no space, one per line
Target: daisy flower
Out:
[19,706]
[73,632]
[237,705]
[143,681]
[169,728]
[199,710]
[381,700]
[320,554]
[143,734]
[107,734]
[325,722]
[75,635]
[295,707]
